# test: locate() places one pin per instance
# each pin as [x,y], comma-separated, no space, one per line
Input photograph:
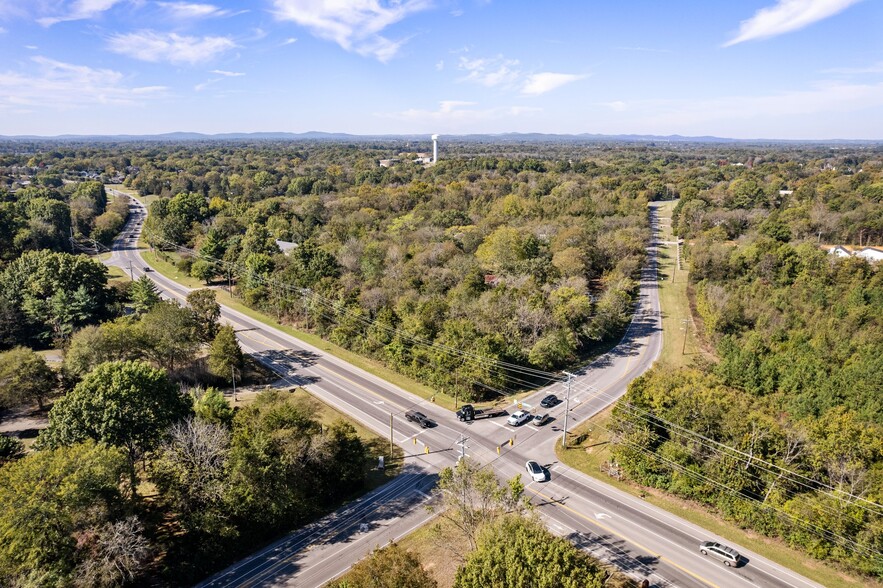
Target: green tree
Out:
[117,340]
[519,551]
[206,310]
[471,497]
[25,377]
[203,270]
[225,355]
[55,293]
[143,294]
[170,334]
[124,404]
[10,449]
[49,499]
[389,567]
[211,407]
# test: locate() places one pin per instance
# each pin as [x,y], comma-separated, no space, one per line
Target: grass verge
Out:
[680,344]
[589,449]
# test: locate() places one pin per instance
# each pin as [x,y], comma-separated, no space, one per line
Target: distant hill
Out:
[478,138]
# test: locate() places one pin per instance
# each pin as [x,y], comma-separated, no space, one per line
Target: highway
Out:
[640,539]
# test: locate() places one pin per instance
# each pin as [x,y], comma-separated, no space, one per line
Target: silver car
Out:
[728,555]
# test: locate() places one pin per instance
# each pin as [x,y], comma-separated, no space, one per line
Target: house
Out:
[870,253]
[285,246]
[840,251]
[491,280]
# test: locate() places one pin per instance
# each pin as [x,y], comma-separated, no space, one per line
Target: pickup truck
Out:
[419,418]
[469,413]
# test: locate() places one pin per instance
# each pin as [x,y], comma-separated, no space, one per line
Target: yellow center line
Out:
[627,540]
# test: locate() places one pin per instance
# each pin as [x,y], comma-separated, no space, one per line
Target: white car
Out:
[518,417]
[536,471]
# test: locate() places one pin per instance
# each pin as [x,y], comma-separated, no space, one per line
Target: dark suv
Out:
[549,401]
[419,418]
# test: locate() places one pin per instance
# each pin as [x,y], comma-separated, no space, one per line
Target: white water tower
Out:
[434,148]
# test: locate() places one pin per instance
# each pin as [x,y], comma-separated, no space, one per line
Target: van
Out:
[728,555]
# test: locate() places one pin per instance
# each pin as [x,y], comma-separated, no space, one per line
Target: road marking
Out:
[647,550]
[601,515]
[369,391]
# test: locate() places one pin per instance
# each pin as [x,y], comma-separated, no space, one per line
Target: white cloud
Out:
[192,10]
[229,74]
[79,10]
[490,72]
[616,105]
[787,16]
[493,72]
[63,86]
[354,25]
[540,83]
[440,65]
[171,47]
[289,41]
[31,47]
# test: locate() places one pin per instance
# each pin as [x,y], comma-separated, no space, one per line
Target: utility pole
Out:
[462,444]
[566,409]
[131,275]
[233,373]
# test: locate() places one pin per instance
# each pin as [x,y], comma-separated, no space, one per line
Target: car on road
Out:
[728,555]
[419,418]
[549,401]
[518,417]
[540,420]
[536,471]
[147,269]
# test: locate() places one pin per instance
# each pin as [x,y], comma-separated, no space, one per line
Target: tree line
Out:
[781,431]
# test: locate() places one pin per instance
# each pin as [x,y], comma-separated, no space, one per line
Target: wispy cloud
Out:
[505,73]
[787,16]
[289,41]
[228,74]
[354,25]
[193,10]
[2,31]
[856,71]
[540,83]
[490,71]
[169,47]
[78,10]
[63,86]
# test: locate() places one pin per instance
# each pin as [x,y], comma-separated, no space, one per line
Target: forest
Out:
[781,429]
[521,256]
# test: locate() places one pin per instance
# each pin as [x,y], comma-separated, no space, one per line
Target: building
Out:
[870,253]
[840,251]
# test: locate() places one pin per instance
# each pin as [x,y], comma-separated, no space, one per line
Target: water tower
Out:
[434,148]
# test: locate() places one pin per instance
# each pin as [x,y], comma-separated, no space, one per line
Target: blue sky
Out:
[790,69]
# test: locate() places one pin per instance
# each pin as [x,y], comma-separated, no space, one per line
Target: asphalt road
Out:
[642,540]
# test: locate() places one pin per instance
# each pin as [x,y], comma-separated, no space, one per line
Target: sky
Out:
[776,69]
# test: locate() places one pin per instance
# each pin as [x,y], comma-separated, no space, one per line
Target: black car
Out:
[549,401]
[419,418]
